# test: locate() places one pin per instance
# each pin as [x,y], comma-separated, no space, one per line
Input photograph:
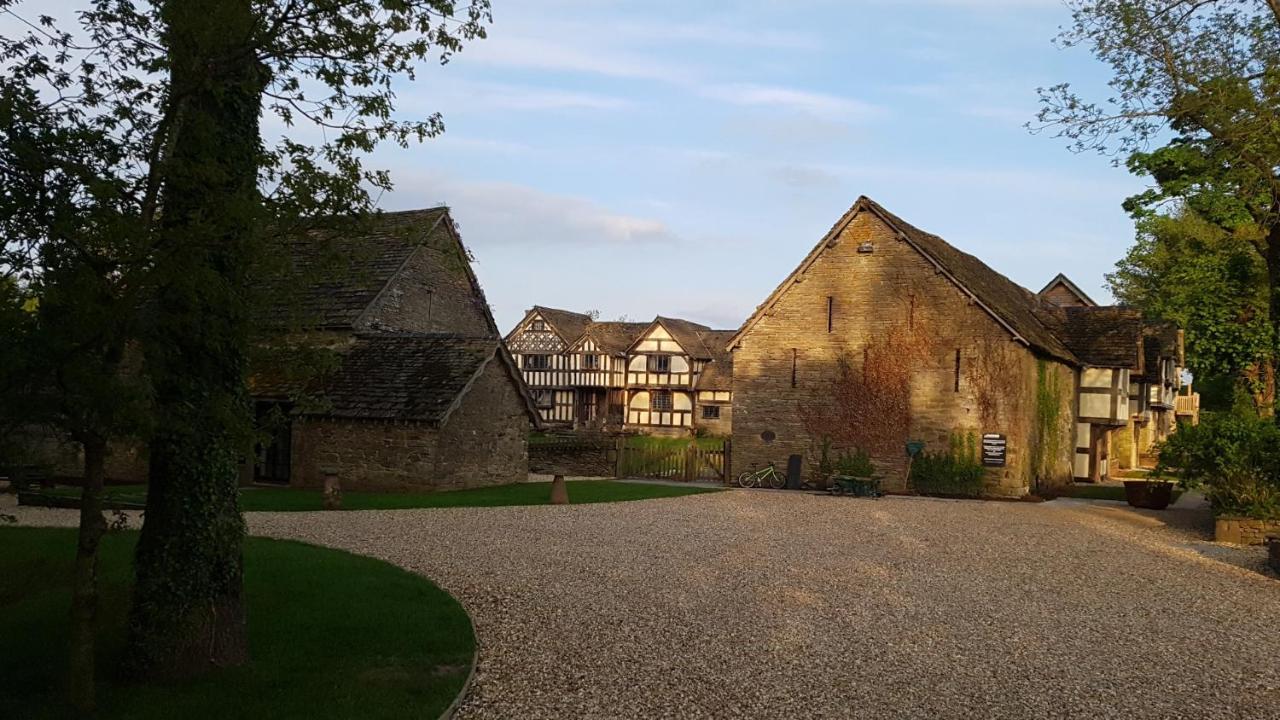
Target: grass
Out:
[332,635]
[1105,492]
[283,499]
[633,441]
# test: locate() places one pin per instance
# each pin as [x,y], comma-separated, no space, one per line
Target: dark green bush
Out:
[957,471]
[1234,459]
[852,463]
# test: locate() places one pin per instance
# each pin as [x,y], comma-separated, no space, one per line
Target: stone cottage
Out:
[886,334]
[423,394]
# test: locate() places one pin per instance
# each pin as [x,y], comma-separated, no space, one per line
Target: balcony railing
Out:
[1187,405]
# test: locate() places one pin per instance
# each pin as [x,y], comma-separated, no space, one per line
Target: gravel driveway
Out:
[765,604]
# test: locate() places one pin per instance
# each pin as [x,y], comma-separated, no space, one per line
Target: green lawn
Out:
[253,499]
[1105,492]
[332,635]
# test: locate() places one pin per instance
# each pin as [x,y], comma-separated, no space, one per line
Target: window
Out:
[660,400]
[957,379]
[538,326]
[590,362]
[659,363]
[794,354]
[831,308]
[710,412]
[537,362]
[544,399]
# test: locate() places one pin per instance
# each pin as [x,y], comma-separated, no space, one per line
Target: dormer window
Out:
[590,362]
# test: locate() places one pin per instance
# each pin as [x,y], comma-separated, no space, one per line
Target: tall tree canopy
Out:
[181,182]
[1195,105]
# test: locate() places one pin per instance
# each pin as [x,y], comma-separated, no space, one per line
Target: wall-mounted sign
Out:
[994,446]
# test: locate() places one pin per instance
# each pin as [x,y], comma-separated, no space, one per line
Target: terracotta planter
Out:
[1150,494]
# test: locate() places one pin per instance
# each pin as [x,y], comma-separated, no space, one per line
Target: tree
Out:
[1202,78]
[1212,283]
[178,87]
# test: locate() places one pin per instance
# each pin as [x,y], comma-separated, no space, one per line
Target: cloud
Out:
[803,176]
[534,52]
[821,105]
[492,96]
[499,214]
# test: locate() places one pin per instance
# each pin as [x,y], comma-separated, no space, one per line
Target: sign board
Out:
[993,449]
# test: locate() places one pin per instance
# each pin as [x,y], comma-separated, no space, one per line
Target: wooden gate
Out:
[687,462]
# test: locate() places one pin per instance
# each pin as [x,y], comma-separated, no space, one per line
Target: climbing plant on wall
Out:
[1049,397]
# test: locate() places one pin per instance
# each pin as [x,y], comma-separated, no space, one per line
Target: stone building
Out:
[669,376]
[883,312]
[424,395]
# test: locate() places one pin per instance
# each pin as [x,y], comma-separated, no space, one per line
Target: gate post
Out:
[727,464]
[619,446]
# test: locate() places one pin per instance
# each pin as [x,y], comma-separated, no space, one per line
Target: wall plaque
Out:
[994,446]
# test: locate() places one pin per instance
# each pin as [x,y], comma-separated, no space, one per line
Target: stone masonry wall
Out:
[486,439]
[1244,531]
[891,286]
[367,455]
[431,293]
[719,428]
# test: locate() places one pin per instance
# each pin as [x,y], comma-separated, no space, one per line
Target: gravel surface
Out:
[759,603]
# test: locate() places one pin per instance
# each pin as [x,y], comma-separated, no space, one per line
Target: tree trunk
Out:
[84,597]
[188,612]
[1273,293]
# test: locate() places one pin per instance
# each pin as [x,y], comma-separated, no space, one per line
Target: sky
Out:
[681,158]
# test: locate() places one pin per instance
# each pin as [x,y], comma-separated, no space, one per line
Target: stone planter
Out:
[1150,494]
[1243,531]
[1273,552]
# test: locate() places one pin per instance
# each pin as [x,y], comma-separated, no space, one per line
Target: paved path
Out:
[766,604]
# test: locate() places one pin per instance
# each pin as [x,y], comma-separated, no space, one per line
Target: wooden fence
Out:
[687,463]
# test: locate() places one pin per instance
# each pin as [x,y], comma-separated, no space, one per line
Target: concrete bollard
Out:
[332,489]
[559,491]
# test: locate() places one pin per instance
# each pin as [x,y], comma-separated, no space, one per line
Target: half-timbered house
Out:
[668,376]
[883,312]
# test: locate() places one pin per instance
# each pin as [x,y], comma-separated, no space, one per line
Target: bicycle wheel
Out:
[776,481]
[747,479]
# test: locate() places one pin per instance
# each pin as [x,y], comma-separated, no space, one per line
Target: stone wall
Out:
[126,463]
[367,455]
[581,458]
[874,293]
[486,439]
[484,442]
[1244,531]
[723,427]
[431,293]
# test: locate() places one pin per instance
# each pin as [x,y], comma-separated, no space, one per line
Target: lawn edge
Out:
[475,659]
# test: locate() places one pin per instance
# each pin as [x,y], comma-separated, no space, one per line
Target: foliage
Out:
[1049,397]
[850,463]
[1203,78]
[866,402]
[1210,281]
[955,471]
[406,652]
[1236,460]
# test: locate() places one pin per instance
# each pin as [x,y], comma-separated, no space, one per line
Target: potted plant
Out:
[1152,494]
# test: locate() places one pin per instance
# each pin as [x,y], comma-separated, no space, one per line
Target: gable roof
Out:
[1064,281]
[411,376]
[1009,304]
[613,337]
[1104,336]
[330,275]
[566,324]
[717,374]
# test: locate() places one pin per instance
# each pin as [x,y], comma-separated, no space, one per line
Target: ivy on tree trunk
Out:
[188,611]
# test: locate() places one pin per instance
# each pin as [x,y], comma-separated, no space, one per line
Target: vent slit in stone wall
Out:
[957,378]
[794,353]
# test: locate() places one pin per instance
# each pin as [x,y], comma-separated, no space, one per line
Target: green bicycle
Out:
[762,477]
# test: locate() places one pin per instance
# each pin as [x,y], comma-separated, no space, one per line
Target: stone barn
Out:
[424,394]
[886,334]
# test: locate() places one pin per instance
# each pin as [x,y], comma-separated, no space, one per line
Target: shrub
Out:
[853,463]
[957,471]
[1234,459]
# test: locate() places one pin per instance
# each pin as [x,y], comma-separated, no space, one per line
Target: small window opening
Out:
[794,354]
[957,378]
[831,304]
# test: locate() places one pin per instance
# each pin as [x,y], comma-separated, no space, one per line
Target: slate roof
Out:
[1061,279]
[1040,324]
[567,324]
[405,376]
[1104,336]
[330,276]
[613,337]
[718,374]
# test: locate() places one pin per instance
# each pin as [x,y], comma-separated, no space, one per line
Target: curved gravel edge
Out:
[475,653]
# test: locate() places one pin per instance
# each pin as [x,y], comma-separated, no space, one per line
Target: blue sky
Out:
[680,158]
